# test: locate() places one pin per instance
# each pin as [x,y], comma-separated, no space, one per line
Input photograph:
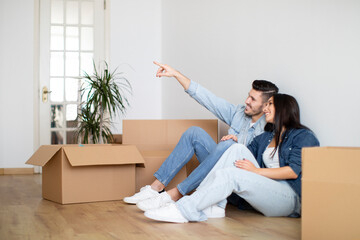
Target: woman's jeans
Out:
[268,196]
[194,140]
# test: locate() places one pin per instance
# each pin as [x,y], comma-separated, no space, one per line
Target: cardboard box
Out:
[87,173]
[162,134]
[331,193]
[156,139]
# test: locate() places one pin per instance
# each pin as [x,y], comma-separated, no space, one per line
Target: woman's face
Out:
[269,111]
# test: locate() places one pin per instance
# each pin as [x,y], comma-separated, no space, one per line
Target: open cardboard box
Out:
[87,173]
[331,193]
[156,139]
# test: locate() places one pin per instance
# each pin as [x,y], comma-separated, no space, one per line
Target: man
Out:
[245,121]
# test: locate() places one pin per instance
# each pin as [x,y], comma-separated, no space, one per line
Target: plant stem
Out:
[101,124]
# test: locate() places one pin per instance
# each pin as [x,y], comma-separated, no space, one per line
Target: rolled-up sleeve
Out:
[192,88]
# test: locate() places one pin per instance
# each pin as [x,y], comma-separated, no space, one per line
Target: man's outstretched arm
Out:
[221,108]
[167,71]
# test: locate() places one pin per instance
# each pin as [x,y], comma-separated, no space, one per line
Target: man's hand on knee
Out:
[230,136]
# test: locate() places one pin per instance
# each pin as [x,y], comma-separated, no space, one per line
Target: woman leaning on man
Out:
[266,174]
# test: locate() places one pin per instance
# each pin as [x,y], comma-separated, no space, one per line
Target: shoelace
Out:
[164,197]
[141,189]
[160,200]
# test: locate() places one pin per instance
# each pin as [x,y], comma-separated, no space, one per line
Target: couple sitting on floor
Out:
[259,162]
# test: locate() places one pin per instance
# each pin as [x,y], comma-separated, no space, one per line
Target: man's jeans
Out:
[268,196]
[194,140]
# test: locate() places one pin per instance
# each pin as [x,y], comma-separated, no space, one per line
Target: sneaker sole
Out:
[142,208]
[129,201]
[172,220]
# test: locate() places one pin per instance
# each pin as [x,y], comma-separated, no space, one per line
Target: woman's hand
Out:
[230,136]
[246,165]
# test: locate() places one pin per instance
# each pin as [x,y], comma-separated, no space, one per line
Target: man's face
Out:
[254,103]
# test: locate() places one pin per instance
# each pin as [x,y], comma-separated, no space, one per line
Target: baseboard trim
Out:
[16,171]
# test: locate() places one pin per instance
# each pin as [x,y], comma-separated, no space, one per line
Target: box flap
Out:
[87,155]
[43,155]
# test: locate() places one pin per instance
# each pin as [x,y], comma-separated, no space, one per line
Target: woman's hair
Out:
[287,114]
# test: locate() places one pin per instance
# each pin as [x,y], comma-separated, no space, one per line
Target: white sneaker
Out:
[214,211]
[159,201]
[170,213]
[145,193]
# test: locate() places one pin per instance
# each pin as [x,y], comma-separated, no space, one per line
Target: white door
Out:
[71,35]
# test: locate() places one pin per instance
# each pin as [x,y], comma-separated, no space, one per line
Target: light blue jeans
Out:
[194,140]
[271,197]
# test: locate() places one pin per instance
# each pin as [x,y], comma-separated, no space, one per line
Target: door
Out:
[71,36]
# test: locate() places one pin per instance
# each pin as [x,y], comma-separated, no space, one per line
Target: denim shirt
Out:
[289,151]
[232,115]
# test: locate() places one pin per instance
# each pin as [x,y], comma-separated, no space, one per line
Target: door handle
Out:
[45,93]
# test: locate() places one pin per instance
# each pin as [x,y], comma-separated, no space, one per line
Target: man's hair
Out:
[268,89]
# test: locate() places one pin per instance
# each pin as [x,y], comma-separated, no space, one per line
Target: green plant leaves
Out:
[106,93]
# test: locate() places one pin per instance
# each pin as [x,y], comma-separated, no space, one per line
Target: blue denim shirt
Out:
[232,115]
[289,151]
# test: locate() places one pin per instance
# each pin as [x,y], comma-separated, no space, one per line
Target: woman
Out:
[267,174]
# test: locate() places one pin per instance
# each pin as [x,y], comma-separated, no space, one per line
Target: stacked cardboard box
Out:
[156,139]
[331,193]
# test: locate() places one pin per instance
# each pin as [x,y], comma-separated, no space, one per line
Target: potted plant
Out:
[105,94]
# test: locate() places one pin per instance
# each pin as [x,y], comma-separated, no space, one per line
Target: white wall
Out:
[135,41]
[310,49]
[16,82]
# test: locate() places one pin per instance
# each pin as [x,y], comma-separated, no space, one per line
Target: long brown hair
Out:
[287,114]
